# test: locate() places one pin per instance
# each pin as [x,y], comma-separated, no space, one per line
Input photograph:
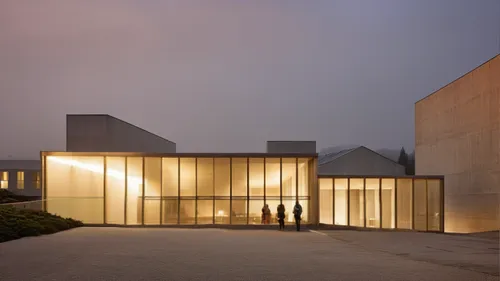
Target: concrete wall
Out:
[104,133]
[291,147]
[30,167]
[362,161]
[457,135]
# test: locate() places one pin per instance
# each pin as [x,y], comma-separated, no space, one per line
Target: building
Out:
[105,133]
[21,177]
[165,188]
[457,135]
[358,161]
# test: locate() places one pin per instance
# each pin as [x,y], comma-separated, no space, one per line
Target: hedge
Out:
[18,223]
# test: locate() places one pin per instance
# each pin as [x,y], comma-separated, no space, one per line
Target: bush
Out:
[15,223]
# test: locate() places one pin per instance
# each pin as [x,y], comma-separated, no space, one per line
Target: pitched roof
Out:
[334,156]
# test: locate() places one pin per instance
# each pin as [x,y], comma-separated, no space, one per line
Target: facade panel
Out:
[457,135]
[386,203]
[131,189]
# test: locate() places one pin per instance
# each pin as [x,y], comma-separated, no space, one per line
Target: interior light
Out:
[95,168]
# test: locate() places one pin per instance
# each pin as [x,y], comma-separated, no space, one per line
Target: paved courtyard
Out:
[216,254]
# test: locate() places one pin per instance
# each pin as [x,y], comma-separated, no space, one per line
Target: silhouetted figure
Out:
[297,213]
[281,216]
[266,214]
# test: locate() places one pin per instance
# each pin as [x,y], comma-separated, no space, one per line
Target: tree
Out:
[403,157]
[410,168]
[408,161]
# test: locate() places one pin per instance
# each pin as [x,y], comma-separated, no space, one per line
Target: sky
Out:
[226,76]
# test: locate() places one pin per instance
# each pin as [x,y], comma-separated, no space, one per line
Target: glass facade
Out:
[154,190]
[414,203]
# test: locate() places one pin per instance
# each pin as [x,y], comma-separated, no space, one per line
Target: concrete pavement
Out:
[210,254]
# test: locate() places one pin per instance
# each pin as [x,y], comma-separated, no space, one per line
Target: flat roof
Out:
[179,154]
[382,176]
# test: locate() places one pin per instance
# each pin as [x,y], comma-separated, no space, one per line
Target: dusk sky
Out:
[225,76]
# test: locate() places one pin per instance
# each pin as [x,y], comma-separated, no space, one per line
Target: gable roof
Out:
[334,156]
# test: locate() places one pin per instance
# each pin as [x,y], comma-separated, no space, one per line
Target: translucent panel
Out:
[239,212]
[205,178]
[434,203]
[170,211]
[273,206]
[289,177]
[289,217]
[239,177]
[420,201]
[326,201]
[20,180]
[255,211]
[356,203]
[188,176]
[340,201]
[170,169]
[115,190]
[305,210]
[256,180]
[75,187]
[372,203]
[152,182]
[222,177]
[404,207]
[187,212]
[303,175]
[388,203]
[222,211]
[205,212]
[134,190]
[272,177]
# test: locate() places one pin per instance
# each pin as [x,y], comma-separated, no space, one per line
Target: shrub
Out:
[17,223]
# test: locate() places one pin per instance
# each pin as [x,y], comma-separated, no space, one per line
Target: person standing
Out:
[281,216]
[297,213]
[266,214]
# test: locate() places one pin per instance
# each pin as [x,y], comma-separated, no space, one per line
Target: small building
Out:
[359,160]
[158,187]
[21,177]
[457,134]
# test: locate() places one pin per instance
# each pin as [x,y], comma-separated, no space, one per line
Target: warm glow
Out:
[95,169]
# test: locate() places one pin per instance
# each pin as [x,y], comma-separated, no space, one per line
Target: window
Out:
[20,180]
[37,180]
[4,180]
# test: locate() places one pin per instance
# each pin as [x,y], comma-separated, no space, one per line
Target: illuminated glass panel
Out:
[256,180]
[372,202]
[326,201]
[388,203]
[404,207]
[205,178]
[341,201]
[115,190]
[152,181]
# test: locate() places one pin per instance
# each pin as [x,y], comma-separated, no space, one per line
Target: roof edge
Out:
[460,77]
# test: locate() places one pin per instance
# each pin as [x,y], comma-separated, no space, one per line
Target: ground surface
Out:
[213,254]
